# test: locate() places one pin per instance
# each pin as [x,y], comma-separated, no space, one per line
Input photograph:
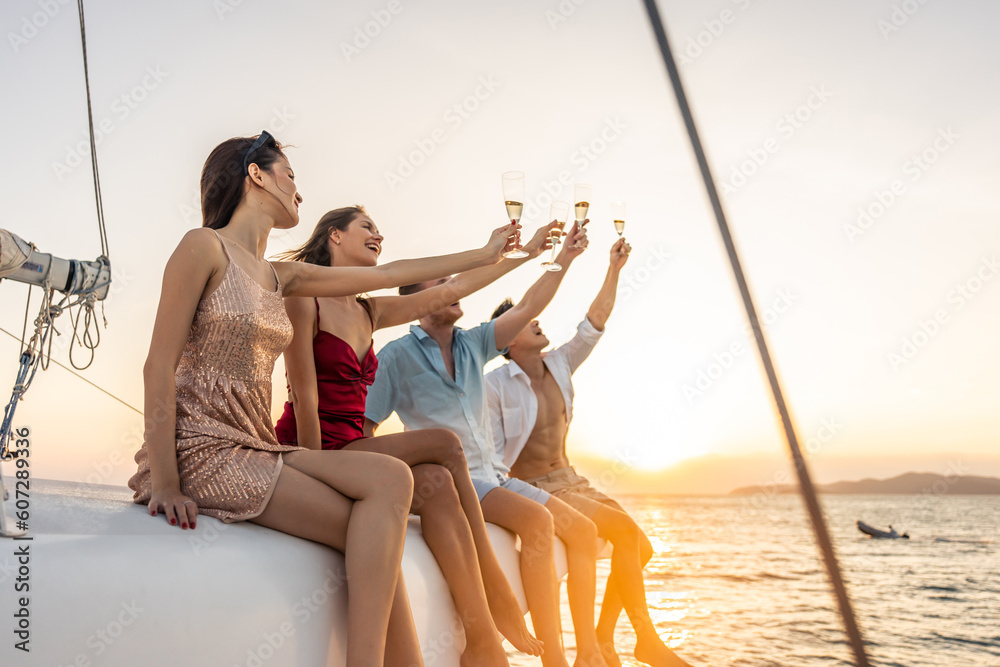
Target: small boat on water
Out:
[891,534]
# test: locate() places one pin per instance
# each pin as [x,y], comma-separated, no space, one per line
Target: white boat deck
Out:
[112,586]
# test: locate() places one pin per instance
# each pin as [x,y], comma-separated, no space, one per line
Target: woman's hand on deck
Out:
[179,509]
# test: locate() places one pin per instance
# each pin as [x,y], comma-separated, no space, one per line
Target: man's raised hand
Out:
[541,241]
[619,253]
[576,242]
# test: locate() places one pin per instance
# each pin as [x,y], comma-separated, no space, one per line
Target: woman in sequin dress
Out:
[209,444]
[330,364]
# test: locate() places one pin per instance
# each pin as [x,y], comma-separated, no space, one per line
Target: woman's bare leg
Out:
[403,647]
[349,501]
[442,447]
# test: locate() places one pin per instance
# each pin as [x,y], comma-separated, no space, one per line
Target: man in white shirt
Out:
[531,406]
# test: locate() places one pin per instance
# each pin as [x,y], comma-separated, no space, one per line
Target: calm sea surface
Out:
[738,580]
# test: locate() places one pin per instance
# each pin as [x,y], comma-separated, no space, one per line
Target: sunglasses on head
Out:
[264,137]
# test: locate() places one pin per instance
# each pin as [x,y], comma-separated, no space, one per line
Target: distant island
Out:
[911,483]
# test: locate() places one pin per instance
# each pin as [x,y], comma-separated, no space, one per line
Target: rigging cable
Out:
[87,301]
[805,481]
[102,231]
[24,327]
[92,384]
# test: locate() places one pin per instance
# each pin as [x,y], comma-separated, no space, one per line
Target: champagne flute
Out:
[513,199]
[618,215]
[581,195]
[559,212]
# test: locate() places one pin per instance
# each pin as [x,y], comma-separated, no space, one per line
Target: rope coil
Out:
[37,353]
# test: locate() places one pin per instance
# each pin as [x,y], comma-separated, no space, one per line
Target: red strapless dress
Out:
[342,384]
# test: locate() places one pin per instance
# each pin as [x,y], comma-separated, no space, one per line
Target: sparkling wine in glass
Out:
[559,211]
[618,215]
[581,195]
[513,199]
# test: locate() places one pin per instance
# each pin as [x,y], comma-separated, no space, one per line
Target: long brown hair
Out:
[223,176]
[317,249]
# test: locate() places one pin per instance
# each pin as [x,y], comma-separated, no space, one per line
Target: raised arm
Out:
[197,264]
[540,294]
[393,310]
[604,303]
[301,368]
[302,279]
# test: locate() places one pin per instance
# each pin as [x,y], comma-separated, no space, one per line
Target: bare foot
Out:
[509,620]
[485,653]
[609,653]
[652,651]
[513,628]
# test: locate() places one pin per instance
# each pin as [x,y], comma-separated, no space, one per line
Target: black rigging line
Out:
[93,143]
[805,482]
[80,377]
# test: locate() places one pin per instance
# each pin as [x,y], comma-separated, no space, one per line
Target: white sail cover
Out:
[14,252]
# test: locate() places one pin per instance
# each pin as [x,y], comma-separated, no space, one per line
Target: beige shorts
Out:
[574,490]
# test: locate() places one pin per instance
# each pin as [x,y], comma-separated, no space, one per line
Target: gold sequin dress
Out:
[227,454]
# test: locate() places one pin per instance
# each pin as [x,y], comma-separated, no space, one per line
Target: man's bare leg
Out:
[533,524]
[626,587]
[611,606]
[611,609]
[503,602]
[580,536]
[447,534]
[442,447]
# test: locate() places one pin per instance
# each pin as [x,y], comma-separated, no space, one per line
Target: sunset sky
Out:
[855,142]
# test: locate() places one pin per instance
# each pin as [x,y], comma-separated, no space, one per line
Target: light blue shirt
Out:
[412,381]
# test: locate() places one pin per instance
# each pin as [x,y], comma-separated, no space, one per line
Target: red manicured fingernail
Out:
[173,522]
[193,526]
[184,525]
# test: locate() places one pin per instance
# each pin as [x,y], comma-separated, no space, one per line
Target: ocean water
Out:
[737,580]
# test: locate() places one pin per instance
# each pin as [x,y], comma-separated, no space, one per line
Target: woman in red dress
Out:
[331,364]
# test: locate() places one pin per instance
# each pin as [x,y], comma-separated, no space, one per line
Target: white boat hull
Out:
[112,586]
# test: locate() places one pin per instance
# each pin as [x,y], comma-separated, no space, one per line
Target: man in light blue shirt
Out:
[414,381]
[433,378]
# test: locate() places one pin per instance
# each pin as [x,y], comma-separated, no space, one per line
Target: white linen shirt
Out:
[513,404]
